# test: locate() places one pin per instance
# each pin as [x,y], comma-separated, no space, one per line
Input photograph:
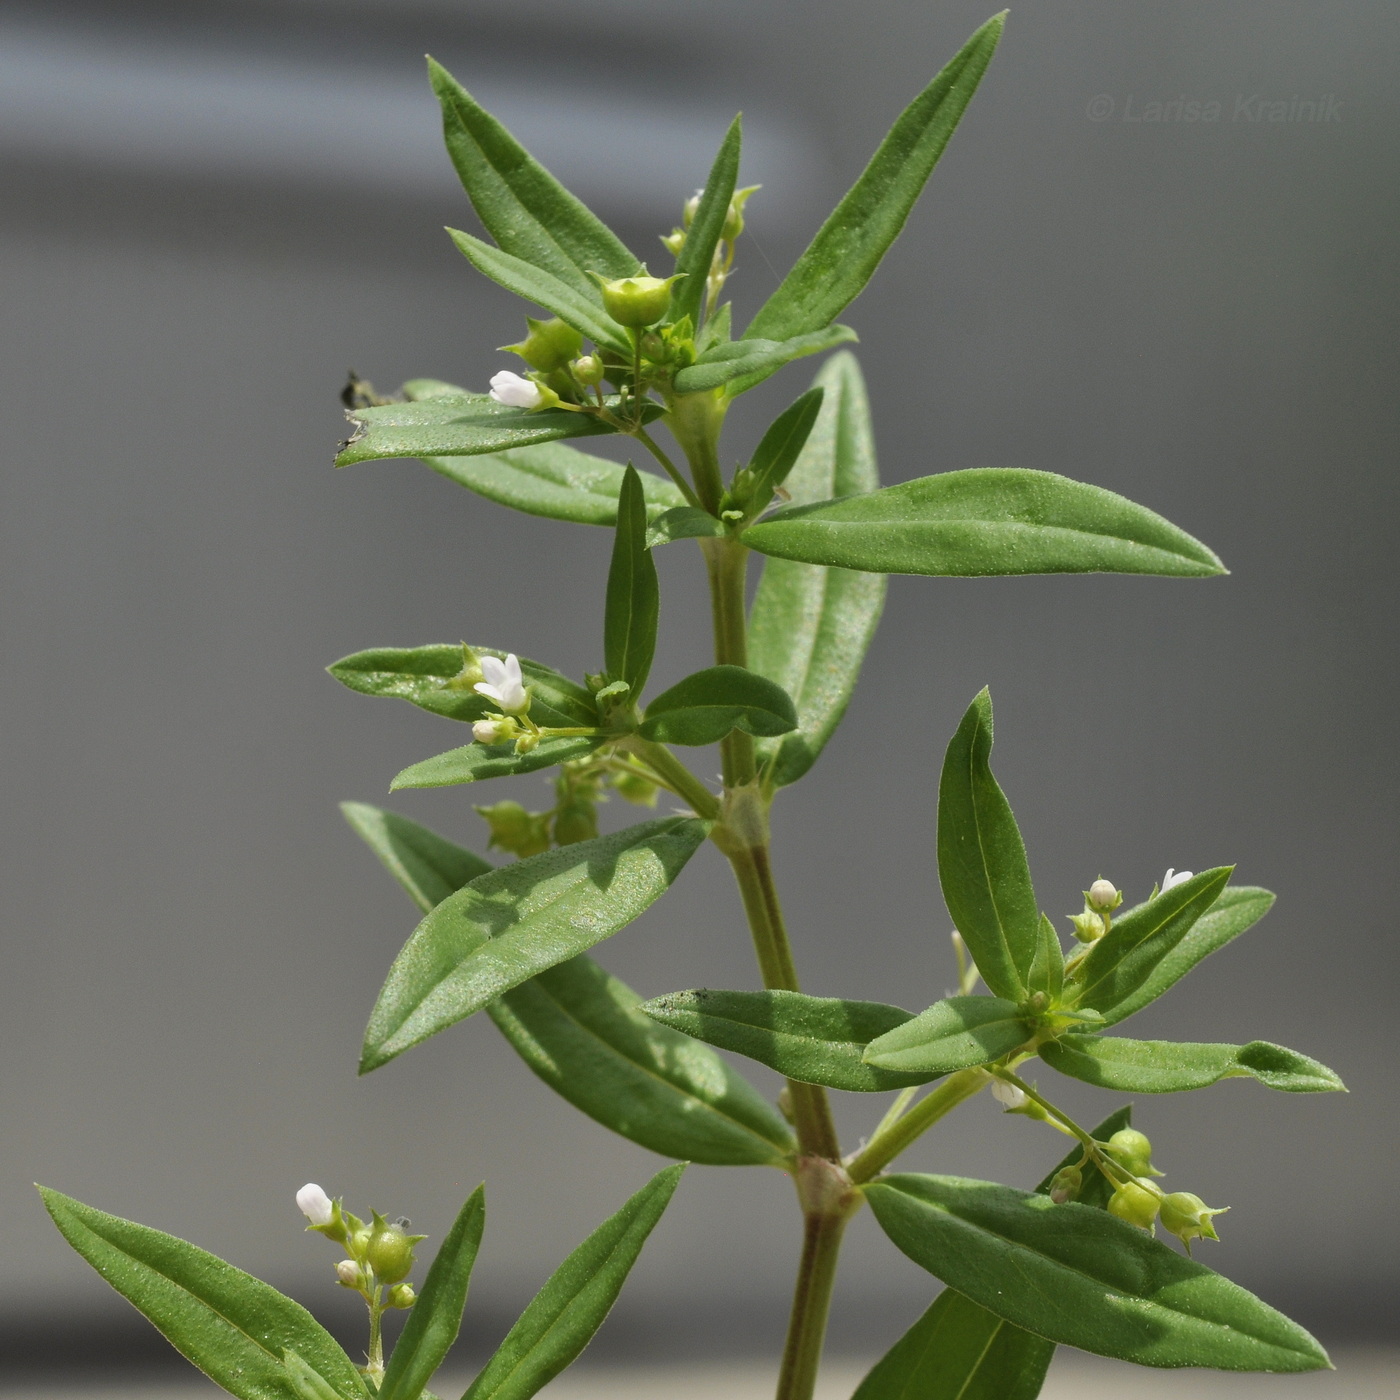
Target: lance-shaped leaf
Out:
[751,360]
[582,1032]
[523,207]
[1079,1276]
[716,329]
[810,626]
[683,523]
[981,522]
[436,1317]
[702,237]
[431,678]
[955,1033]
[1047,972]
[1237,908]
[816,1040]
[505,927]
[959,1351]
[582,312]
[234,1327]
[779,448]
[569,1309]
[709,704]
[982,859]
[474,763]
[849,245]
[1167,1066]
[633,603]
[1127,955]
[1097,1188]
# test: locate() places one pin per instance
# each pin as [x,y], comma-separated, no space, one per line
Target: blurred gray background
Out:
[212,209]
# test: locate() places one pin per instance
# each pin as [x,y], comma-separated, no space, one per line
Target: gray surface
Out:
[1199,316]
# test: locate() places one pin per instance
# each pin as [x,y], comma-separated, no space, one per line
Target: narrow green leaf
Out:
[960,1351]
[1096,1189]
[1237,908]
[436,1318]
[709,704]
[523,207]
[569,1309]
[232,1326]
[526,280]
[779,448]
[1167,1066]
[810,626]
[955,1033]
[817,1040]
[462,426]
[982,859]
[702,237]
[582,1032]
[742,359]
[981,522]
[1047,972]
[306,1383]
[1126,956]
[428,867]
[683,523]
[848,247]
[519,920]
[1079,1276]
[633,604]
[474,763]
[431,678]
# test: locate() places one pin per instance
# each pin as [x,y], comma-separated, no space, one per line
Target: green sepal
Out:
[466,425]
[982,859]
[233,1327]
[729,361]
[981,522]
[955,1033]
[779,448]
[436,1318]
[1169,1066]
[563,1316]
[816,1040]
[683,523]
[522,206]
[1047,974]
[850,244]
[475,763]
[519,920]
[1125,957]
[707,705]
[430,677]
[581,1030]
[810,626]
[1081,1277]
[632,606]
[702,237]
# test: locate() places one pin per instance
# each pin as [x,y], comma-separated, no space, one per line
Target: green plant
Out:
[1074,1262]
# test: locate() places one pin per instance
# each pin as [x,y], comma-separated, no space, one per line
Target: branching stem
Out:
[887,1144]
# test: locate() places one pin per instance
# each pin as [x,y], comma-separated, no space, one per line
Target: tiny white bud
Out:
[504,684]
[1102,894]
[494,731]
[348,1272]
[515,392]
[1009,1095]
[1174,877]
[691,208]
[315,1205]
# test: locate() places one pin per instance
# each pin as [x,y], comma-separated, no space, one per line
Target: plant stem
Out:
[885,1146]
[811,1302]
[375,1368]
[727,561]
[677,777]
[651,445]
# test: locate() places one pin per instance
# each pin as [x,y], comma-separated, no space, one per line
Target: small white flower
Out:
[315,1205]
[1008,1095]
[515,392]
[1174,877]
[503,684]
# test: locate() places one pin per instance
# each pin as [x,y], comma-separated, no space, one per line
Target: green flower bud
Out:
[550,345]
[515,830]
[674,241]
[690,208]
[578,821]
[637,301]
[1088,927]
[1066,1184]
[390,1251]
[636,789]
[1132,1150]
[1136,1202]
[734,219]
[1189,1218]
[1103,895]
[401,1295]
[588,370]
[526,742]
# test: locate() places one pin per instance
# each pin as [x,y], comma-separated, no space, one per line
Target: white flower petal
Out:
[1174,877]
[315,1205]
[515,392]
[1008,1095]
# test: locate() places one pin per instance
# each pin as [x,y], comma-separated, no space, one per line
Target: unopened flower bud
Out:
[550,345]
[1136,1202]
[515,830]
[349,1274]
[315,1205]
[734,219]
[690,208]
[527,742]
[390,1251]
[511,389]
[637,301]
[578,821]
[495,731]
[636,789]
[1189,1218]
[1103,895]
[1010,1096]
[674,241]
[401,1295]
[1174,877]
[1066,1185]
[1088,927]
[588,370]
[1133,1151]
